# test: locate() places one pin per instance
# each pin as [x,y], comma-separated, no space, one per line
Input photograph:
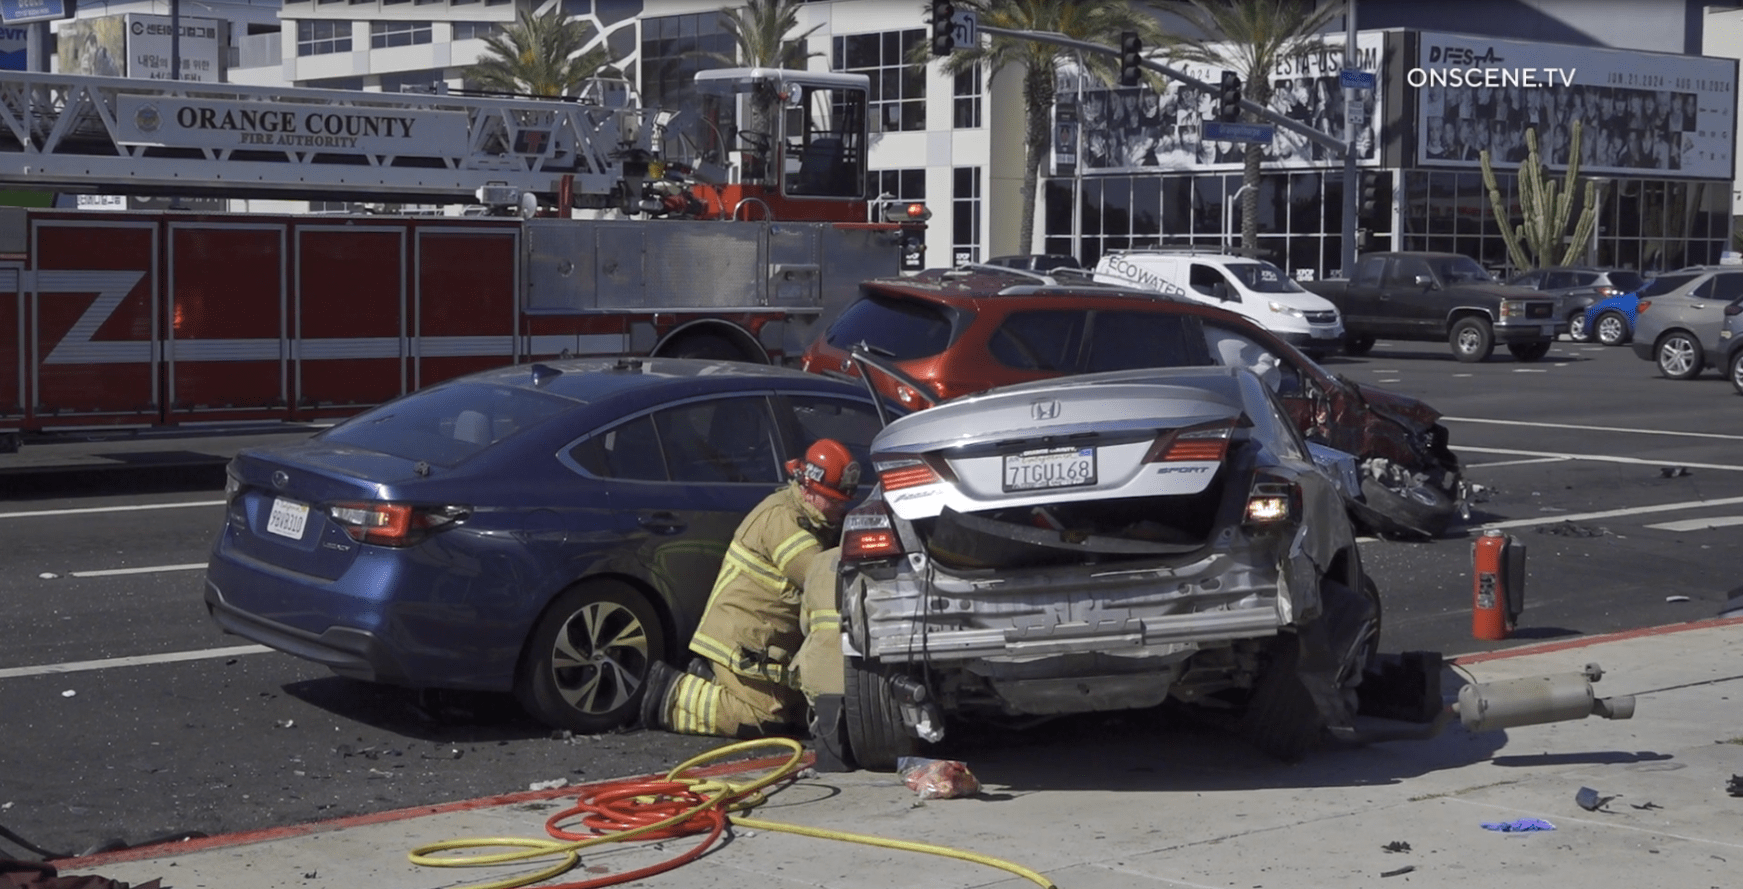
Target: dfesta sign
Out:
[196,123]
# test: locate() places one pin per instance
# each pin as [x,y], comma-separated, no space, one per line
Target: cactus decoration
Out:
[1544,208]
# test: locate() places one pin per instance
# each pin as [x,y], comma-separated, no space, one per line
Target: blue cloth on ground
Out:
[1522,824]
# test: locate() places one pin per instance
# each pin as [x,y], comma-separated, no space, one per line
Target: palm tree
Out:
[759,32]
[1092,21]
[539,55]
[1250,38]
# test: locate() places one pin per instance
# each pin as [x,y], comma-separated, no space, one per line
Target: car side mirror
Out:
[1426,282]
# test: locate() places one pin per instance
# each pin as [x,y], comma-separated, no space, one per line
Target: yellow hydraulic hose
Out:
[713,799]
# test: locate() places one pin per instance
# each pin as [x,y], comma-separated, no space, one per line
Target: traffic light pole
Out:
[1347,256]
[1341,146]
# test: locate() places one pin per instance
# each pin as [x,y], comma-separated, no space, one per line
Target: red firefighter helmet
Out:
[827,469]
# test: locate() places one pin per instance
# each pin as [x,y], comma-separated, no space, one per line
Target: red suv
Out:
[961,331]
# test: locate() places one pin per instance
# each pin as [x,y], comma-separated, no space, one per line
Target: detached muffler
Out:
[1402,701]
[1487,706]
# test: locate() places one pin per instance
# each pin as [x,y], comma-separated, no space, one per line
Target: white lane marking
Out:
[1529,370]
[1600,458]
[90,509]
[1518,462]
[1612,513]
[149,569]
[1723,521]
[107,663]
[1720,435]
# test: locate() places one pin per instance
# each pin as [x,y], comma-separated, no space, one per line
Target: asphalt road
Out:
[129,716]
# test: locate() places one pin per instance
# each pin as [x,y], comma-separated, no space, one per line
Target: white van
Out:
[1246,286]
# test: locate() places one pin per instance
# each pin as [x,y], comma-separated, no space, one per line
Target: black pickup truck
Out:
[1440,296]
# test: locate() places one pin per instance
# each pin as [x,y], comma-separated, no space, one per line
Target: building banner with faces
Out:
[1138,129]
[1639,111]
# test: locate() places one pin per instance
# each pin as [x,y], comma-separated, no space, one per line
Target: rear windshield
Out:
[444,425]
[1626,281]
[1666,283]
[1460,270]
[1083,341]
[1263,277]
[895,328]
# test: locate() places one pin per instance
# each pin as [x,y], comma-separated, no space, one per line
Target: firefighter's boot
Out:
[657,694]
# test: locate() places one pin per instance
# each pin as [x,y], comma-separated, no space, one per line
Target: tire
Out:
[1422,510]
[1471,339]
[708,346]
[1367,645]
[1678,355]
[1576,327]
[1735,371]
[875,732]
[588,658]
[1358,345]
[1611,329]
[1529,351]
[1280,718]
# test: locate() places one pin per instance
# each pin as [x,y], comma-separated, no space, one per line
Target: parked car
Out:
[1576,289]
[1036,262]
[949,333]
[1679,317]
[1611,319]
[1243,285]
[1448,297]
[547,529]
[1731,346]
[1102,542]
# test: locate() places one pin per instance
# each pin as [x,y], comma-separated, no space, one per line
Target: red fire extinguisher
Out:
[1498,590]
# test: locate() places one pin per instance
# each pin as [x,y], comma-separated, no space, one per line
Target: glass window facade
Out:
[674,48]
[387,34]
[898,89]
[323,36]
[965,204]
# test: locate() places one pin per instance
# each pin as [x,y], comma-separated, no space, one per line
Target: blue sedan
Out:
[547,529]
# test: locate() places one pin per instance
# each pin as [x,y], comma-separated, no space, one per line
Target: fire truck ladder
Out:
[122,136]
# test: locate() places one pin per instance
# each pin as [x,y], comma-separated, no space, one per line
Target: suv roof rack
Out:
[1080,281]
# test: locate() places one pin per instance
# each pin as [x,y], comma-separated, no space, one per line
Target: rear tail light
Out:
[869,532]
[1607,292]
[1272,501]
[393,524]
[1641,307]
[895,473]
[1734,309]
[232,487]
[1206,441]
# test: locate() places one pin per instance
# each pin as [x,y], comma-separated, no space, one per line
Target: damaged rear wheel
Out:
[875,732]
[1280,718]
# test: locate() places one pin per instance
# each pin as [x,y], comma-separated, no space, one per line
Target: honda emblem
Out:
[1044,410]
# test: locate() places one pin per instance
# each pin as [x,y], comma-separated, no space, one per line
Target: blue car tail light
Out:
[394,524]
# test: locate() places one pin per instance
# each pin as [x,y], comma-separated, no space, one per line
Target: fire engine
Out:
[731,232]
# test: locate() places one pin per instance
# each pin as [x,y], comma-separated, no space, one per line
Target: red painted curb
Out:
[1588,641]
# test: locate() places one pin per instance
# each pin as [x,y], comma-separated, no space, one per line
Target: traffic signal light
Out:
[1228,99]
[1131,58]
[1368,198]
[943,38]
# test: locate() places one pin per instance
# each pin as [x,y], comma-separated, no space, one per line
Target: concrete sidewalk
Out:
[1183,809]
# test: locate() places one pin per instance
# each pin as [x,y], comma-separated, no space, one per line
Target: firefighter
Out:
[744,681]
